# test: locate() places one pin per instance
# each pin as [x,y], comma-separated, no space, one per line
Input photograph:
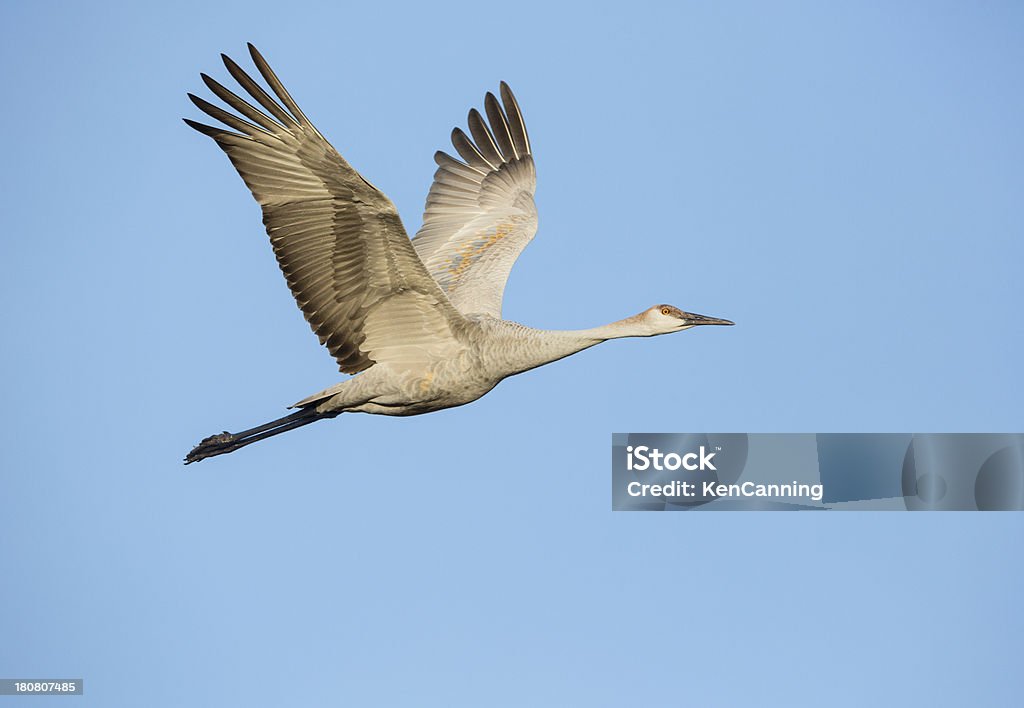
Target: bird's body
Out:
[418,320]
[489,350]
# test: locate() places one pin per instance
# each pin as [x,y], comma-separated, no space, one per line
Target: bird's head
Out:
[662,319]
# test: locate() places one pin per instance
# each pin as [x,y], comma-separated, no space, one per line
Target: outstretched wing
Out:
[480,212]
[338,239]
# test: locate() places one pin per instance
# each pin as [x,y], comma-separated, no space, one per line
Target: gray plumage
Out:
[419,320]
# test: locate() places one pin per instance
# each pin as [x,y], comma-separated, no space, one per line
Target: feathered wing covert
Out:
[480,213]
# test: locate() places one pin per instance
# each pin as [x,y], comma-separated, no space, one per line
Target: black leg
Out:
[226,442]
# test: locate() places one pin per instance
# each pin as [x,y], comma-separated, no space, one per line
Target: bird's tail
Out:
[226,442]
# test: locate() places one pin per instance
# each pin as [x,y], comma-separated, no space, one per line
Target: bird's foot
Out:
[210,446]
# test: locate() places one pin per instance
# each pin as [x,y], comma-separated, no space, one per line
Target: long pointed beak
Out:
[692,319]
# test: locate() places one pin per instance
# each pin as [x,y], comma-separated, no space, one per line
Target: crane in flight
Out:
[418,320]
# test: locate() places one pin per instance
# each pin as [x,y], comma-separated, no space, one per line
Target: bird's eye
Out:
[666,311]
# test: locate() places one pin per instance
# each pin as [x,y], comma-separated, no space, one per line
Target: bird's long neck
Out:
[630,327]
[519,348]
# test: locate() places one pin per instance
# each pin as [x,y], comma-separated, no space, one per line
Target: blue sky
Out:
[842,180]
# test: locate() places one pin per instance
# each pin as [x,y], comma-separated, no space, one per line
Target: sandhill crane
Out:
[418,320]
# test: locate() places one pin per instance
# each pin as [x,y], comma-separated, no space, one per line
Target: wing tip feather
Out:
[207,130]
